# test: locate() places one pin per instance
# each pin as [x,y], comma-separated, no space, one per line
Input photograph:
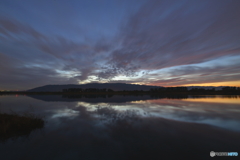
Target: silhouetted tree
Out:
[110,90]
[229,88]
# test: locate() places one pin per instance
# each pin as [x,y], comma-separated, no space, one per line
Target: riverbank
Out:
[162,93]
[14,125]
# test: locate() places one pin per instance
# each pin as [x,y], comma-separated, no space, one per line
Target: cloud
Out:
[219,70]
[164,34]
[13,75]
[152,38]
[50,53]
[9,27]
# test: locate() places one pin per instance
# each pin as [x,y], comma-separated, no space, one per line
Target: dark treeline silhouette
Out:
[201,89]
[155,90]
[78,96]
[87,90]
[79,90]
[168,89]
[231,88]
[161,96]
[158,96]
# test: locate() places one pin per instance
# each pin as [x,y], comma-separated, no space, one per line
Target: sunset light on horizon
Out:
[147,42]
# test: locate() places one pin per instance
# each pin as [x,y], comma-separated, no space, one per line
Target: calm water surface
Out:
[125,127]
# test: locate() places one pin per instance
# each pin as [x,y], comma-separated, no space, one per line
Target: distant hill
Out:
[113,86]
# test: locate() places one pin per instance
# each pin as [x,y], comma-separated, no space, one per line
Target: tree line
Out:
[185,89]
[87,90]
[152,90]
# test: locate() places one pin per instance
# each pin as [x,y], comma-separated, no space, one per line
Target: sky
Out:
[148,42]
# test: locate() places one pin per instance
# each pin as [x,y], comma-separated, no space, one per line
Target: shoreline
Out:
[125,93]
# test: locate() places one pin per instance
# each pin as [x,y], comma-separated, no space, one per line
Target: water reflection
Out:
[216,99]
[136,129]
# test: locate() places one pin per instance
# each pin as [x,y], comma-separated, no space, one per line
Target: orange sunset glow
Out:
[227,83]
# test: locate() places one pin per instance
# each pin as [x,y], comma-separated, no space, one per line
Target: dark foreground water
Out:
[125,127]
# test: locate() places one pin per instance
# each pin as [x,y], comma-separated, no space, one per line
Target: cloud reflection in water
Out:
[122,130]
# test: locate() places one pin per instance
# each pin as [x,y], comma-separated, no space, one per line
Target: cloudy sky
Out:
[152,42]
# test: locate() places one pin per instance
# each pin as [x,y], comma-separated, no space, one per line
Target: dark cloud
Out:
[65,44]
[9,27]
[68,55]
[199,75]
[24,77]
[165,34]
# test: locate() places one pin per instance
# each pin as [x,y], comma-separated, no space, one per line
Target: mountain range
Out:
[113,86]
